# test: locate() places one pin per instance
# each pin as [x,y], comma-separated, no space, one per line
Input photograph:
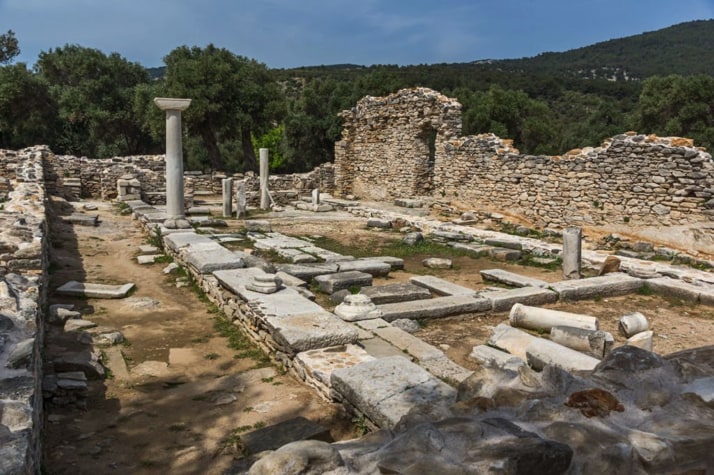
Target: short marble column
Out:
[175,212]
[264,171]
[572,250]
[227,184]
[241,203]
[316,197]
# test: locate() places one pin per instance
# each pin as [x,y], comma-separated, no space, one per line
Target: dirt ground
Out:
[187,396]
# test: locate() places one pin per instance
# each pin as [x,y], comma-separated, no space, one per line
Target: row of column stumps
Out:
[175,208]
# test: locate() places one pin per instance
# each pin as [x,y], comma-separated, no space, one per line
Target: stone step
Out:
[434,308]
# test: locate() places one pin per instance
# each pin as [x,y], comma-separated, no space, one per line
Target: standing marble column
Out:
[572,245]
[175,213]
[264,170]
[241,204]
[227,184]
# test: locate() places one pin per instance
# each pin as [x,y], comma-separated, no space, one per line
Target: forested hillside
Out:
[83,102]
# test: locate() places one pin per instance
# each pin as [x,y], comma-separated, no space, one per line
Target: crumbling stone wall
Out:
[390,144]
[23,297]
[631,178]
[82,177]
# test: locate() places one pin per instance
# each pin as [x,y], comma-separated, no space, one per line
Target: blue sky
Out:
[291,33]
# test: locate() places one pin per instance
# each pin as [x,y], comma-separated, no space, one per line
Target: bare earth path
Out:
[187,396]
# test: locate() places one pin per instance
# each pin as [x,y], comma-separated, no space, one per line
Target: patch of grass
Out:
[178,427]
[259,425]
[212,356]
[154,238]
[360,426]
[199,397]
[267,380]
[238,341]
[528,259]
[163,259]
[248,409]
[272,256]
[645,290]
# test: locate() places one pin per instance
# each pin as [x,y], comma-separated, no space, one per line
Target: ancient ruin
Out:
[547,391]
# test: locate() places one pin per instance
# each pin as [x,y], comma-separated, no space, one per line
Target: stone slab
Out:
[286,301]
[317,365]
[608,285]
[511,278]
[504,254]
[392,293]
[502,301]
[676,288]
[441,286]
[96,291]
[275,436]
[506,243]
[178,240]
[512,340]
[402,340]
[207,258]
[476,250]
[330,283]
[397,263]
[147,259]
[277,241]
[307,272]
[309,331]
[370,266]
[148,249]
[446,370]
[386,389]
[82,219]
[434,308]
[489,356]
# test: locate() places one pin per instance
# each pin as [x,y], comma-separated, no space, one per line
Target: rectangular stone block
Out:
[441,286]
[506,243]
[386,389]
[392,293]
[309,331]
[502,301]
[96,291]
[511,278]
[331,283]
[434,308]
[371,266]
[489,356]
[512,340]
[307,272]
[207,258]
[675,288]
[608,285]
[404,341]
[177,240]
[476,250]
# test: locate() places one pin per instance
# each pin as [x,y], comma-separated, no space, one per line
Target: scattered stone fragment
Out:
[277,435]
[437,263]
[147,259]
[379,223]
[171,268]
[407,324]
[642,340]
[258,225]
[412,239]
[611,264]
[78,324]
[633,324]
[339,296]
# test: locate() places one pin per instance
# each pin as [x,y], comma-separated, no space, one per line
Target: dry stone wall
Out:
[23,292]
[389,144]
[631,178]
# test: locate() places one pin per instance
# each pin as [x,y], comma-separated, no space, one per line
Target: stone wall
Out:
[389,144]
[631,178]
[82,177]
[23,297]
